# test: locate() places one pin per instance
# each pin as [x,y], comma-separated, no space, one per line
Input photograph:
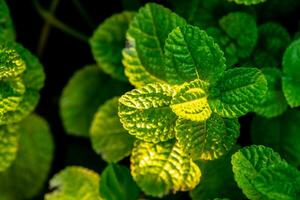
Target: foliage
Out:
[197,68]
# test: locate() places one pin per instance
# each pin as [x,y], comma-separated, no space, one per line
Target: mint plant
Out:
[190,99]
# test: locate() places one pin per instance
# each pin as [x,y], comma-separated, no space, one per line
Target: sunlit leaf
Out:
[209,139]
[74,183]
[146,112]
[248,2]
[149,29]
[161,168]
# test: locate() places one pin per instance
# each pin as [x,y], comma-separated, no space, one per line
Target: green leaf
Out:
[207,140]
[190,54]
[238,91]
[274,103]
[108,137]
[9,137]
[242,32]
[247,164]
[117,184]
[214,174]
[7,31]
[107,43]
[280,133]
[278,182]
[12,91]
[24,179]
[291,74]
[273,40]
[81,97]
[33,79]
[190,102]
[163,167]
[146,112]
[149,29]
[136,73]
[11,63]
[74,183]
[248,2]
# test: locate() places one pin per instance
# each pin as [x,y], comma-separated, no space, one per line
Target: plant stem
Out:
[52,20]
[46,30]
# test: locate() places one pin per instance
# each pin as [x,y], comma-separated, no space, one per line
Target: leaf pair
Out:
[262,174]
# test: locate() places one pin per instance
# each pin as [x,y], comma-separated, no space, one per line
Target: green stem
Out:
[46,30]
[52,20]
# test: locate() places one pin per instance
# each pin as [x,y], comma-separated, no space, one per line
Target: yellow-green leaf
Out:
[207,140]
[74,182]
[9,137]
[146,112]
[190,102]
[162,168]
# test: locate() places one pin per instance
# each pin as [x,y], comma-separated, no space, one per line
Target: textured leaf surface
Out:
[117,184]
[109,138]
[190,102]
[146,112]
[248,2]
[7,31]
[163,167]
[150,28]
[11,64]
[108,41]
[242,30]
[214,174]
[247,164]
[238,91]
[85,91]
[280,133]
[274,103]
[278,182]
[9,137]
[207,140]
[11,95]
[291,74]
[134,70]
[74,183]
[190,54]
[25,177]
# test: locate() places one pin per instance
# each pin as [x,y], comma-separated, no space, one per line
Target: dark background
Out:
[64,54]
